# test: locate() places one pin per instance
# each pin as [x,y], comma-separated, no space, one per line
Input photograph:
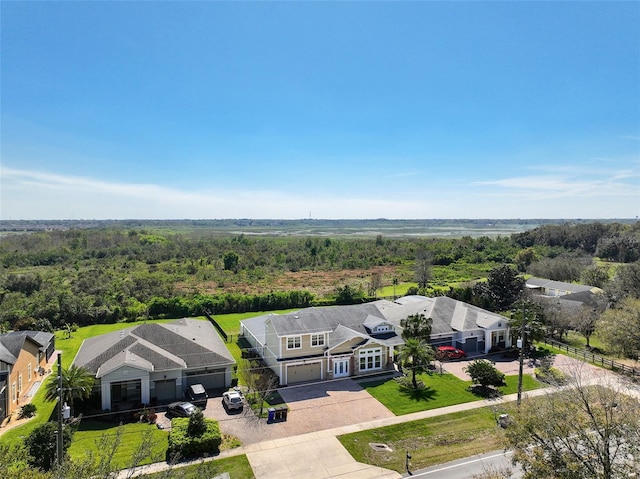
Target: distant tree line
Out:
[88,276]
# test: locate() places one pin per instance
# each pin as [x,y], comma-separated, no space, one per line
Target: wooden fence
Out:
[594,358]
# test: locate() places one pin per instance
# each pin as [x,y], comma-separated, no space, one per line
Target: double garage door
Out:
[304,372]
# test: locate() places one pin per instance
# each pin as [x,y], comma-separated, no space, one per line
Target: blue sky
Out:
[322,109]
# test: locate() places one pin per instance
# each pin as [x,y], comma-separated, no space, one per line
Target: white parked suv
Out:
[232,400]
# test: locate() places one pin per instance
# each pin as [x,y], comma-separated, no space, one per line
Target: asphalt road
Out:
[467,467]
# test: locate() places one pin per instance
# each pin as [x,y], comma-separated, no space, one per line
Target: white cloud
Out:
[43,195]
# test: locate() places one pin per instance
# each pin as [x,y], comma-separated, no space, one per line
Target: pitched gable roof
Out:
[12,343]
[567,288]
[448,316]
[123,358]
[184,343]
[323,320]
[342,334]
[5,355]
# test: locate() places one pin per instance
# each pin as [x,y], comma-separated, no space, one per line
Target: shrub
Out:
[484,373]
[28,410]
[182,445]
[42,444]
[550,375]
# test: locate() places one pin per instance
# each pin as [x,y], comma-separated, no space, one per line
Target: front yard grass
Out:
[87,440]
[238,467]
[440,390]
[429,441]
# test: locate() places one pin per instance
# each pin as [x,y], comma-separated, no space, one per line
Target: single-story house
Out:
[23,356]
[155,363]
[568,296]
[548,287]
[314,343]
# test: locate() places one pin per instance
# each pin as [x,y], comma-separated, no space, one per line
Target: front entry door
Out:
[340,368]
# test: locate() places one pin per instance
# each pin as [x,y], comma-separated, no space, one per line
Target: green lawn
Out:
[399,290]
[440,390]
[429,441]
[577,340]
[238,467]
[88,440]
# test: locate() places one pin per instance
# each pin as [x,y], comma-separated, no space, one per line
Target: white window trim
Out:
[294,338]
[14,394]
[30,372]
[370,353]
[320,340]
[20,383]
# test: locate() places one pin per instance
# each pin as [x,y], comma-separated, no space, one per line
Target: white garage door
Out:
[303,372]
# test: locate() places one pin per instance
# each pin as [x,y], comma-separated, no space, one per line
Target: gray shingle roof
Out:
[448,316]
[6,356]
[327,319]
[185,343]
[533,283]
[12,343]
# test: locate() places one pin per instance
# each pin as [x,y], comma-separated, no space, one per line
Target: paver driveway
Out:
[312,407]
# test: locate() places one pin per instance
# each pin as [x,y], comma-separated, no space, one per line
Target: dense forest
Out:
[50,279]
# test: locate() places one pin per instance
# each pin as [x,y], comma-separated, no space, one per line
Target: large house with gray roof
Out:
[315,344]
[156,362]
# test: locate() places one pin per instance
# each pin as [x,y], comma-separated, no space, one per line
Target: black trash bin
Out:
[271,414]
[285,410]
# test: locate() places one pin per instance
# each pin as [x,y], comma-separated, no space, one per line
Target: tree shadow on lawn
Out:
[96,425]
[421,393]
[424,393]
[484,392]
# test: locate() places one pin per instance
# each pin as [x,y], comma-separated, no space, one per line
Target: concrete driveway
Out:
[509,367]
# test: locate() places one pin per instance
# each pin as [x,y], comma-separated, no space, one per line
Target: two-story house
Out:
[315,344]
[23,357]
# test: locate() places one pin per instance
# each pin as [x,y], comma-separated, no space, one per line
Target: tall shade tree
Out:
[77,383]
[423,268]
[532,314]
[619,328]
[502,288]
[416,326]
[581,430]
[626,283]
[416,355]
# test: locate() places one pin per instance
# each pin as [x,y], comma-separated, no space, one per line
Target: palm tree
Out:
[77,383]
[416,355]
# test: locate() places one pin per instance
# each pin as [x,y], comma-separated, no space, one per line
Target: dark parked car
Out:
[449,352]
[197,395]
[181,409]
